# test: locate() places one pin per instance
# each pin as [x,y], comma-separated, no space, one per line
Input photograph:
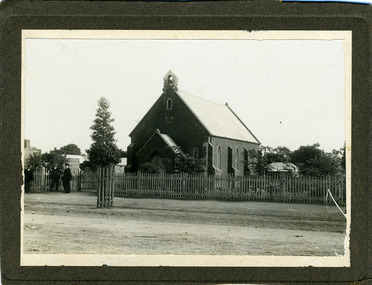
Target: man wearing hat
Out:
[66,178]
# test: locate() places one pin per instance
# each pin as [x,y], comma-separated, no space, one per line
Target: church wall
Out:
[179,123]
[236,163]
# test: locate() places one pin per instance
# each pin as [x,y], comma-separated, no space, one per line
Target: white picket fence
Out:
[303,189]
[280,188]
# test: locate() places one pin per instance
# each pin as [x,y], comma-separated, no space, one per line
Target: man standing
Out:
[66,178]
[28,178]
[55,175]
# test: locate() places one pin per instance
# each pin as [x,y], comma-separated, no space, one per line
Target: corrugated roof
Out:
[218,119]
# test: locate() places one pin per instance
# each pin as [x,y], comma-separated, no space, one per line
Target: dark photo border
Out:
[219,15]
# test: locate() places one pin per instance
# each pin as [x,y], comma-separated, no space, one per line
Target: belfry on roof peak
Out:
[170,81]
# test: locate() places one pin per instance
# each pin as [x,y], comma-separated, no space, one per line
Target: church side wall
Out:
[236,162]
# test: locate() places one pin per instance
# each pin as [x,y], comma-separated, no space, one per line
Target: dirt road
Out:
[70,223]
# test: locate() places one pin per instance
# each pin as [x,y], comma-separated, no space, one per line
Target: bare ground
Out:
[57,223]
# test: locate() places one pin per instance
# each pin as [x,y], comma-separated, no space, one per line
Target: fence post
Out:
[79,181]
[284,185]
[342,185]
[98,187]
[183,185]
[138,180]
[106,186]
[45,178]
[110,190]
[103,188]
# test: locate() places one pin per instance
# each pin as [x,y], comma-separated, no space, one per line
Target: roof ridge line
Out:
[156,131]
[201,98]
[146,114]
[227,105]
[192,112]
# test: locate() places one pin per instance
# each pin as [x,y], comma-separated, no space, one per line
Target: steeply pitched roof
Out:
[218,119]
[167,140]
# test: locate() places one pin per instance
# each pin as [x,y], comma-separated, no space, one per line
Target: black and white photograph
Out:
[186,148]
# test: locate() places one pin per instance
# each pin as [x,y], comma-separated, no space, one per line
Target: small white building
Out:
[120,167]
[282,167]
[75,160]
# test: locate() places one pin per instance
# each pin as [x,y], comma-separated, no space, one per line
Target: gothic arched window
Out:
[219,157]
[169,104]
[195,152]
[237,159]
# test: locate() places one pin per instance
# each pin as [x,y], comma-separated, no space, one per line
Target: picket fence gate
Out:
[105,186]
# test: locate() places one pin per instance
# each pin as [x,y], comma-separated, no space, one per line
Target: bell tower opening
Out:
[170,81]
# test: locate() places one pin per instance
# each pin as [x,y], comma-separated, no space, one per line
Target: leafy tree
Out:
[278,154]
[103,151]
[258,160]
[123,153]
[313,161]
[305,153]
[184,163]
[149,168]
[34,161]
[343,157]
[87,165]
[323,164]
[71,149]
[54,158]
[310,159]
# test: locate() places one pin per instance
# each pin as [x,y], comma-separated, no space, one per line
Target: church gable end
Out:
[171,116]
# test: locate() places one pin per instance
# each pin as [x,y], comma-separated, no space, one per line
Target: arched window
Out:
[237,159]
[169,104]
[195,152]
[219,157]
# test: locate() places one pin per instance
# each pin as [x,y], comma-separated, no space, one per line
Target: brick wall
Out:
[237,147]
[179,123]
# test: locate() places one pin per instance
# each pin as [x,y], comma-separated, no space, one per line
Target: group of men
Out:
[56,174]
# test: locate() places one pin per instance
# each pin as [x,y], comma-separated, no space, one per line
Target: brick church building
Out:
[182,122]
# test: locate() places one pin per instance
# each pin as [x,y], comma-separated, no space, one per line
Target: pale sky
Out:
[287,92]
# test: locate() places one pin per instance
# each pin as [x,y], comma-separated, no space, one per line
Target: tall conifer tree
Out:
[103,151]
